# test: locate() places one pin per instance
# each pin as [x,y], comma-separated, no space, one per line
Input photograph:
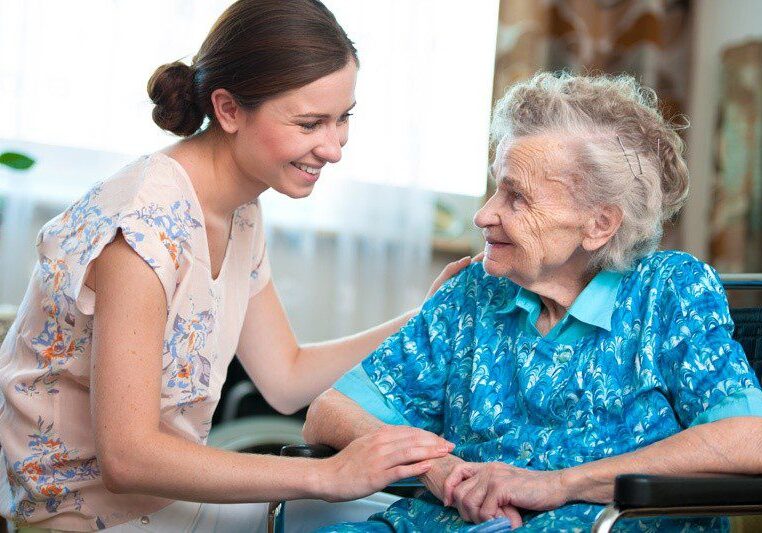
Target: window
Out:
[74,74]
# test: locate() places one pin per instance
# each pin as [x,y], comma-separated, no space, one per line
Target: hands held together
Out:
[483,491]
[479,491]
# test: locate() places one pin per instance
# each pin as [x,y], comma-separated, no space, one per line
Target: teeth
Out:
[309,170]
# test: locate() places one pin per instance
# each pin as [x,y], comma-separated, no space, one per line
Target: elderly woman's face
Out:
[532,224]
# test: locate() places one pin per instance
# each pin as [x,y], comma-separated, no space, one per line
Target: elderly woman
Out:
[575,352]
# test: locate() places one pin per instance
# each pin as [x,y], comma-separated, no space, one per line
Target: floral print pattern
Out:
[48,473]
[45,359]
[189,370]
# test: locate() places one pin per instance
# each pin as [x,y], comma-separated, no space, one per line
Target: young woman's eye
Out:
[310,126]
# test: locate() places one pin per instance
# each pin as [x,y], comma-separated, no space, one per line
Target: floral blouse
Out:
[655,356]
[51,476]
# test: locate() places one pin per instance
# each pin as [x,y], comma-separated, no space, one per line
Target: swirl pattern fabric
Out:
[467,370]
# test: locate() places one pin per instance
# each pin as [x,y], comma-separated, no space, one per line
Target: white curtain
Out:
[368,262]
[72,93]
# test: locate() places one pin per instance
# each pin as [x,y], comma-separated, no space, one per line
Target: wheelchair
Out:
[639,495]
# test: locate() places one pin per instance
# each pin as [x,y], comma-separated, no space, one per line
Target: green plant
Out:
[16,161]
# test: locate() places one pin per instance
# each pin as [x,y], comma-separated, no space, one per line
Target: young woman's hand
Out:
[378,459]
[450,270]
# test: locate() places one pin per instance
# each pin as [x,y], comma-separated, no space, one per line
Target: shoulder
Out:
[155,197]
[676,283]
[154,181]
[671,269]
[669,260]
[146,200]
[149,180]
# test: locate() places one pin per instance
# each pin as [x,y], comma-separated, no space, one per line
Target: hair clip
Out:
[658,155]
[626,157]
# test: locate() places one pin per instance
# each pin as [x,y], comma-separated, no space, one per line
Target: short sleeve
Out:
[705,371]
[260,265]
[357,386]
[70,243]
[410,369]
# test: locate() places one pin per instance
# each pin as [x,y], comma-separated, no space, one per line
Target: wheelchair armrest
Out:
[314,451]
[632,491]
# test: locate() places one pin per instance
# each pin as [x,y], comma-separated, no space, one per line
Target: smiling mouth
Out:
[314,171]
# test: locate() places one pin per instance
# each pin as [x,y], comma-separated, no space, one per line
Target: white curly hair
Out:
[627,154]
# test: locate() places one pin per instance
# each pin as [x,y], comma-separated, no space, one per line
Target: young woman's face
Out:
[284,143]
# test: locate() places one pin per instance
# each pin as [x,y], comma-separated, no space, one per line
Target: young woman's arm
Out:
[137,455]
[336,420]
[290,376]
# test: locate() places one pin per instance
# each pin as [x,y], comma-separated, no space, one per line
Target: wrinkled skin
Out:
[542,237]
[538,233]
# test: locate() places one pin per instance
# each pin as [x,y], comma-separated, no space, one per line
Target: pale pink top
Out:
[51,476]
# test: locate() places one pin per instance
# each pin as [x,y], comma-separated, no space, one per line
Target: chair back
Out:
[748,320]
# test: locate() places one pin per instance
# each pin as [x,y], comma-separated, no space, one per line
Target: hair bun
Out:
[171,89]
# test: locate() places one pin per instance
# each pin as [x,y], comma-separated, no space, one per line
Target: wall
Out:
[717,25]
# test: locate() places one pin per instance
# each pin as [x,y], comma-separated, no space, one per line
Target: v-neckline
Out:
[197,202]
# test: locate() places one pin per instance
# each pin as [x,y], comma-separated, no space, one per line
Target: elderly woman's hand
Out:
[482,491]
[451,270]
[441,468]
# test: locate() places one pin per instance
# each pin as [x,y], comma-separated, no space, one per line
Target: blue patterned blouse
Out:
[639,357]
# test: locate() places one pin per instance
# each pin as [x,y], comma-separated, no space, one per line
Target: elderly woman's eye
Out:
[515,196]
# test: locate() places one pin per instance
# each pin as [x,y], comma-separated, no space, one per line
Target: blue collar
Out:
[593,306]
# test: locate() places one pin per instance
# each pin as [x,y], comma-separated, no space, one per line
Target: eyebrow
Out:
[514,184]
[324,115]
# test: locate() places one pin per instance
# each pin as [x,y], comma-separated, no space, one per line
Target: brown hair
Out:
[256,50]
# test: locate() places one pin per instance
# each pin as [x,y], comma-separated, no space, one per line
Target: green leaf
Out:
[16,161]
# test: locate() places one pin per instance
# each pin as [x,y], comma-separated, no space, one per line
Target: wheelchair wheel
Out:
[256,434]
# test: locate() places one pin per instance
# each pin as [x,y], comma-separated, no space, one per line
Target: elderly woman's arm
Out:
[732,445]
[481,491]
[335,420]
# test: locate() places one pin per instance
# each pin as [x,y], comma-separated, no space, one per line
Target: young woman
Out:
[148,285]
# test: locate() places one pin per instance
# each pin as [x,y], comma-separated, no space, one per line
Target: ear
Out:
[601,227]
[227,111]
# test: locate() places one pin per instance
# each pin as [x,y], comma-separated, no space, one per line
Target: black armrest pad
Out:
[638,490]
[315,451]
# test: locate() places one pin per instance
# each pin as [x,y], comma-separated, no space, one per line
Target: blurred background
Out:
[382,223]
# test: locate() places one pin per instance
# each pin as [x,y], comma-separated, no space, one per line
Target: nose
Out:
[329,148]
[486,215]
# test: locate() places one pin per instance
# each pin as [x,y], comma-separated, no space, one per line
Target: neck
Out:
[220,184]
[558,289]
